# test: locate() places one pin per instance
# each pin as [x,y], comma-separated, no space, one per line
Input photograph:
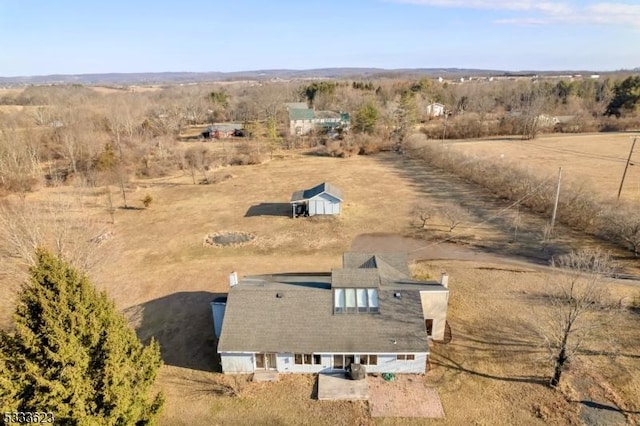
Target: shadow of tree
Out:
[470,346]
[441,188]
[599,406]
[182,323]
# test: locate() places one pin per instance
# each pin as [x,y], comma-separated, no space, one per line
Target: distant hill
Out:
[261,75]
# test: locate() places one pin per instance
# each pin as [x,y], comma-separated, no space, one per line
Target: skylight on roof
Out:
[355,300]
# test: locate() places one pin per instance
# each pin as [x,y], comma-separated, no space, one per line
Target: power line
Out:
[498,214]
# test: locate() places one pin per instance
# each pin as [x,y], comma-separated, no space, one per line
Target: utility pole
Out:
[555,204]
[626,167]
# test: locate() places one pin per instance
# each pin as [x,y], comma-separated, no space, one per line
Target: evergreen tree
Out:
[74,355]
[626,97]
[366,118]
[406,114]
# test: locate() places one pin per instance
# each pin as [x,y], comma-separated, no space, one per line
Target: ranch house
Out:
[322,199]
[303,120]
[369,312]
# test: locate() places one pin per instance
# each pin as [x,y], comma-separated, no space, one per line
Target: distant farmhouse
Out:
[223,131]
[303,120]
[323,199]
[435,110]
[369,312]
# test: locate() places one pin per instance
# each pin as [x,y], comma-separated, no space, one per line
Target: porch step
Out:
[265,376]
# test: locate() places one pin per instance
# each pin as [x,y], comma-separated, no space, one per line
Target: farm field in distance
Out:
[159,272]
[594,161]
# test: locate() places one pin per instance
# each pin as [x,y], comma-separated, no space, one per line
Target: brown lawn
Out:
[595,161]
[160,274]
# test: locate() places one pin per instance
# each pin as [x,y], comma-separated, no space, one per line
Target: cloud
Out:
[545,13]
[519,5]
[525,22]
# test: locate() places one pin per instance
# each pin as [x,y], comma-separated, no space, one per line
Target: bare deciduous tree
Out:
[197,158]
[59,223]
[453,215]
[627,227]
[575,292]
[423,212]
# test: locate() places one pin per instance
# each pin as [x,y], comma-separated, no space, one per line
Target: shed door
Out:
[316,207]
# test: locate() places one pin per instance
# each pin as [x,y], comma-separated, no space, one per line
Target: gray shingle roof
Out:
[355,278]
[398,261]
[294,312]
[302,321]
[324,187]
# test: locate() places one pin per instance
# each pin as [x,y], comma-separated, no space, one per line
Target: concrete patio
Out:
[265,376]
[332,387]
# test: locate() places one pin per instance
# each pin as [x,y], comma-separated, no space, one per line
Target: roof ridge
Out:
[386,271]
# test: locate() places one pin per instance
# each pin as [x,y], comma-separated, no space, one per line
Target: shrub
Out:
[146,201]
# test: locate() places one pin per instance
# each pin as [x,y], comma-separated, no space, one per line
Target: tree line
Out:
[53,133]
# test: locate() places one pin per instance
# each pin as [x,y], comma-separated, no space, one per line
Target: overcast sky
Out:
[77,37]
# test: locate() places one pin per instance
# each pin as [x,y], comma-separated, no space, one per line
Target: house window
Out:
[338,362]
[352,300]
[369,359]
[407,357]
[307,359]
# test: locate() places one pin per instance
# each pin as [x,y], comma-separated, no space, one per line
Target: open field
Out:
[595,161]
[160,274]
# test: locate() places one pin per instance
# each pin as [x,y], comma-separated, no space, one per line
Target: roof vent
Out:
[397,295]
[279,295]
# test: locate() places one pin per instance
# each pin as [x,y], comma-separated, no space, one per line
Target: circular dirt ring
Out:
[229,238]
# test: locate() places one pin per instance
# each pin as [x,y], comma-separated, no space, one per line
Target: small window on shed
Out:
[317,359]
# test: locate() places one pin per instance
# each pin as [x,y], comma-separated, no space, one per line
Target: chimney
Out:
[444,279]
[233,279]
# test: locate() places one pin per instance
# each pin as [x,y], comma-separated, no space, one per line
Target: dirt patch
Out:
[406,396]
[229,239]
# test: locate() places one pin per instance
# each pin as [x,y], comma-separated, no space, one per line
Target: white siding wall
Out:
[389,364]
[300,127]
[286,364]
[237,362]
[434,306]
[324,204]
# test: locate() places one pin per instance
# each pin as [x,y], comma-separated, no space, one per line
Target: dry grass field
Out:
[163,277]
[594,161]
